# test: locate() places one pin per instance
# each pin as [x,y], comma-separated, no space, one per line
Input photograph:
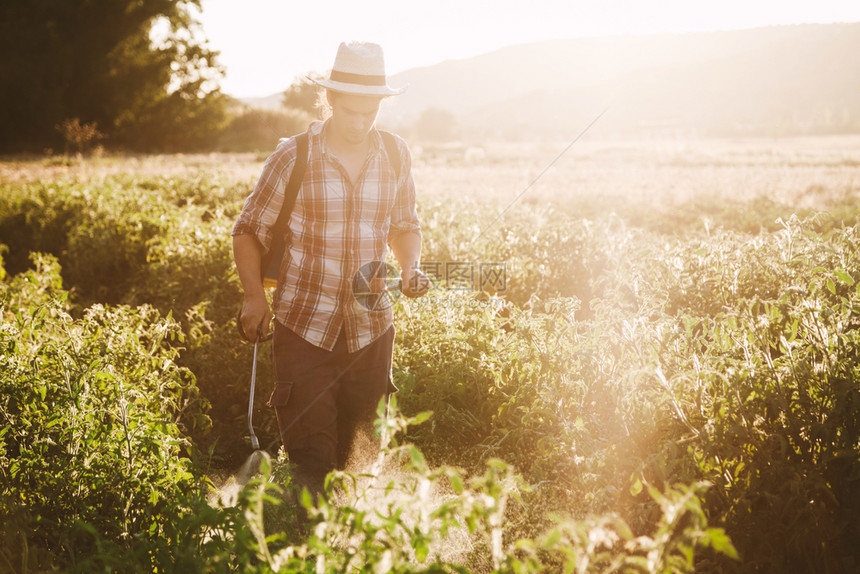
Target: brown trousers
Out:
[326,402]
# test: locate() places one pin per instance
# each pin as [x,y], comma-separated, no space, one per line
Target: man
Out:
[332,351]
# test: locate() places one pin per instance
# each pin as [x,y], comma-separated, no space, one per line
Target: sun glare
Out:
[265,44]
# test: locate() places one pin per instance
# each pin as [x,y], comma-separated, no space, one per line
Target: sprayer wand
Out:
[255,444]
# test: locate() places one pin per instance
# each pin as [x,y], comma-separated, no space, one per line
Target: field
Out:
[651,364]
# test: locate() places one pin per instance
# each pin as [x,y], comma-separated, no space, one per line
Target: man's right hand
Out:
[255,313]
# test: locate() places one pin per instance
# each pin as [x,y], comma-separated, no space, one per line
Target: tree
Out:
[136,68]
[435,124]
[302,95]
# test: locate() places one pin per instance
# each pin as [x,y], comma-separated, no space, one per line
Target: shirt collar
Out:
[319,128]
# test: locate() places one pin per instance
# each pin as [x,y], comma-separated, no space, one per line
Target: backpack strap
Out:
[294,184]
[393,151]
[271,262]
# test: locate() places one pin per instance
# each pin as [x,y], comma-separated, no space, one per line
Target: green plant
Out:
[623,353]
[92,411]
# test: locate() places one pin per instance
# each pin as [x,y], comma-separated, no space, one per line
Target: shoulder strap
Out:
[294,184]
[392,150]
[271,261]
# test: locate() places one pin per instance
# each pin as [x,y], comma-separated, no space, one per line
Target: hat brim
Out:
[359,89]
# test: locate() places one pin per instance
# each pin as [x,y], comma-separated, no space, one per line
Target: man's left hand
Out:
[414,283]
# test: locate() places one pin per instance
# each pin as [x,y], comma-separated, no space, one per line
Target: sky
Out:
[266,44]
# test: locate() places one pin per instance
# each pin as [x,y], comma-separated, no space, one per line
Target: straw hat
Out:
[359,68]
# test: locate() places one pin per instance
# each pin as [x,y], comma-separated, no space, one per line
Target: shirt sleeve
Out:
[262,207]
[404,215]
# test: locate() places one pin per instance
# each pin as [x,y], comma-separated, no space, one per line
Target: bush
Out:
[93,418]
[256,130]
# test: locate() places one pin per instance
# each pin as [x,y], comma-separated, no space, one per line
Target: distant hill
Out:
[271,102]
[765,81]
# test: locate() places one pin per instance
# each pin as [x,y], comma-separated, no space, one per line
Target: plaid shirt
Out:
[335,228]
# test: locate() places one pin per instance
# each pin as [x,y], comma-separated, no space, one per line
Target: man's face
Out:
[353,116]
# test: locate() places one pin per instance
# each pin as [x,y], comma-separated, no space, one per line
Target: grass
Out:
[676,362]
